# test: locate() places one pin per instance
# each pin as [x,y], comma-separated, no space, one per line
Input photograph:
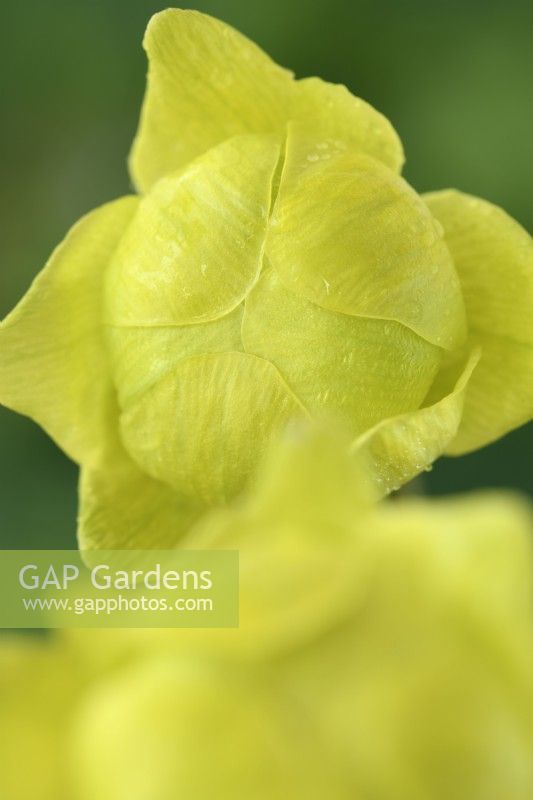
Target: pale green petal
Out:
[353,237]
[203,426]
[494,259]
[361,370]
[141,355]
[501,399]
[53,365]
[123,508]
[196,244]
[206,83]
[341,121]
[397,449]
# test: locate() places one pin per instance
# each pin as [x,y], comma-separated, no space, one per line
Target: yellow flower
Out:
[275,266]
[384,651]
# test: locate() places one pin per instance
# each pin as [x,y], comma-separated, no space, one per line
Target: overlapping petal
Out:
[140,355]
[351,236]
[196,243]
[207,83]
[340,121]
[493,256]
[123,508]
[204,425]
[53,364]
[360,312]
[362,370]
[399,448]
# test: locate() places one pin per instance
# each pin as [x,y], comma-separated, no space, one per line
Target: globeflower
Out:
[273,266]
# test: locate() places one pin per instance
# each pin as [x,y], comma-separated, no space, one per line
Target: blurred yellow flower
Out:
[275,266]
[38,690]
[385,652]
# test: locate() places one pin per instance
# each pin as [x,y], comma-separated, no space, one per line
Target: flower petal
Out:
[203,426]
[206,83]
[122,508]
[494,259]
[308,504]
[196,243]
[397,449]
[360,369]
[38,688]
[353,237]
[443,638]
[339,119]
[140,355]
[53,365]
[181,723]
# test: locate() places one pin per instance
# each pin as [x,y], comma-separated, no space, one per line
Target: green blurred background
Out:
[454,77]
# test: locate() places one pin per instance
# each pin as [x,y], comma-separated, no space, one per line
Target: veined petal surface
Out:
[206,83]
[204,425]
[361,370]
[196,244]
[341,121]
[140,355]
[53,363]
[122,508]
[353,237]
[399,448]
[493,256]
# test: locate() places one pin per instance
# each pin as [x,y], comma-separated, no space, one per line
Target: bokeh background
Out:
[455,78]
